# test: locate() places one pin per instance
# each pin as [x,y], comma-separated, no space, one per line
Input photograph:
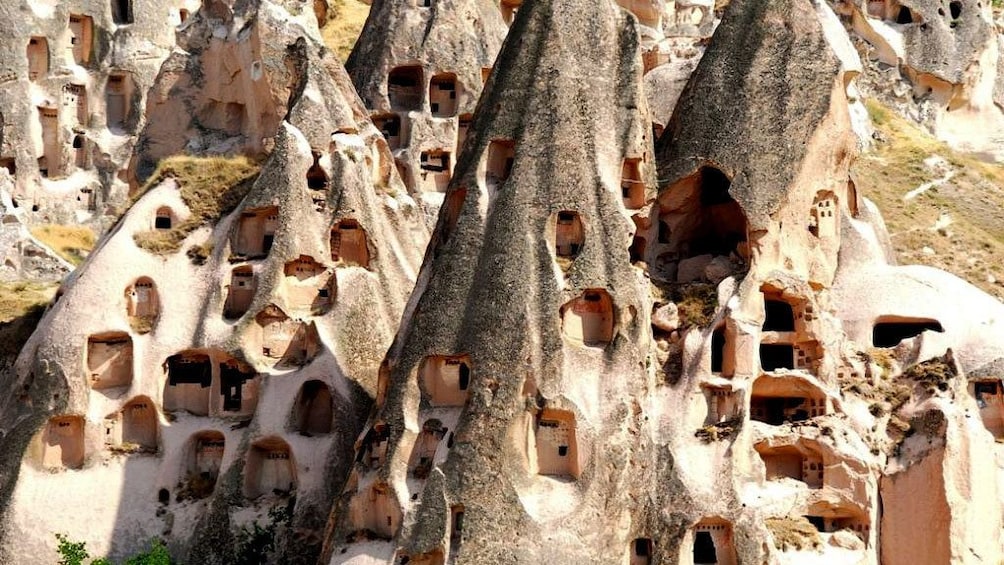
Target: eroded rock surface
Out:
[945,59]
[655,321]
[202,370]
[73,83]
[420,69]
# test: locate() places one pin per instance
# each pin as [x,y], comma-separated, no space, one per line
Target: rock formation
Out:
[946,453]
[420,68]
[22,256]
[655,322]
[73,85]
[804,363]
[233,103]
[210,363]
[946,61]
[672,54]
[479,433]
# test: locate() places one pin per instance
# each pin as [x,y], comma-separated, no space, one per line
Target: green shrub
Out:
[256,543]
[156,555]
[71,552]
[75,553]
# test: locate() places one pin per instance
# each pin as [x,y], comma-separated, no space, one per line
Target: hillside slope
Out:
[341,31]
[943,208]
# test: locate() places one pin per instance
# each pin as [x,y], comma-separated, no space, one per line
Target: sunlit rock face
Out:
[74,78]
[420,68]
[949,60]
[215,356]
[655,322]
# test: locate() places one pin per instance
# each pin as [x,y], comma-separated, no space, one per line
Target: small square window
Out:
[986,388]
[641,547]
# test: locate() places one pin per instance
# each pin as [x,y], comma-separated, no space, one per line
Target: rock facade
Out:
[73,87]
[420,69]
[221,383]
[655,322]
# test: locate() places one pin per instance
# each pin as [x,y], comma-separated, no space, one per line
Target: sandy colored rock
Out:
[692,269]
[580,309]
[73,86]
[420,71]
[666,317]
[947,57]
[625,345]
[209,385]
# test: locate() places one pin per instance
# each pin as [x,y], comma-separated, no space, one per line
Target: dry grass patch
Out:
[794,534]
[19,298]
[21,307]
[128,448]
[933,374]
[884,393]
[142,324]
[696,303]
[881,357]
[72,243]
[211,187]
[969,247]
[720,431]
[343,27]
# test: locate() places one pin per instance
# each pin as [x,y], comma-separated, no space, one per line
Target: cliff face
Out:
[73,83]
[228,100]
[947,57]
[210,363]
[619,349]
[513,397]
[420,69]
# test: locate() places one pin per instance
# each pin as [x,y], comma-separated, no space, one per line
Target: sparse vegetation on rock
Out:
[661,298]
[696,302]
[210,186]
[955,223]
[346,21]
[73,243]
[793,534]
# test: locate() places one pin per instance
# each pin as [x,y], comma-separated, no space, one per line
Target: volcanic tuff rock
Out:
[948,57]
[203,384]
[218,84]
[669,59]
[787,130]
[953,458]
[598,364]
[22,256]
[73,82]
[420,70]
[837,355]
[552,308]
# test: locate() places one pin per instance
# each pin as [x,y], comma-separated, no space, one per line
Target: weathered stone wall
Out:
[70,116]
